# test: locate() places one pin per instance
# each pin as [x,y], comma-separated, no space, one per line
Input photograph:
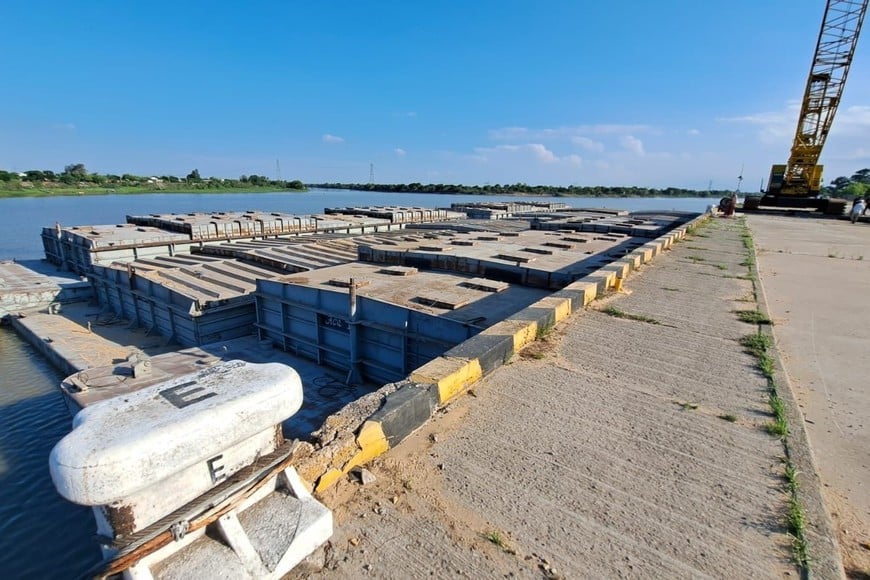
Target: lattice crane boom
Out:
[841,25]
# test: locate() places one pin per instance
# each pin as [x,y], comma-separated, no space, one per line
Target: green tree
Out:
[855,189]
[76,170]
[839,183]
[194,175]
[862,176]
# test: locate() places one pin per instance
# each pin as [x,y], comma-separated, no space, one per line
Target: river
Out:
[42,535]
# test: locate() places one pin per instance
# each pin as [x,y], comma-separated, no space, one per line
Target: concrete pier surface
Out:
[815,276]
[630,440]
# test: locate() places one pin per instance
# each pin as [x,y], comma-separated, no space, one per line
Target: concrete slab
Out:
[815,275]
[604,453]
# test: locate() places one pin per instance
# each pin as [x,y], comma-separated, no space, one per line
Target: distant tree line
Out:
[525,189]
[76,175]
[850,187]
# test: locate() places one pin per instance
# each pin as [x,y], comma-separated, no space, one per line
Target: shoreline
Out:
[76,192]
[87,192]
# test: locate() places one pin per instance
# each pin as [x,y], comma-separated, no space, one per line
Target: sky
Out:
[671,93]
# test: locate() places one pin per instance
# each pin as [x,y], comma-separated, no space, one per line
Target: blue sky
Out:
[668,93]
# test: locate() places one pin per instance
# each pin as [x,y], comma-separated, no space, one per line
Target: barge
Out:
[361,320]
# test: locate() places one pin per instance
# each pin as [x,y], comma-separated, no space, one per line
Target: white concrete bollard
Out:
[140,456]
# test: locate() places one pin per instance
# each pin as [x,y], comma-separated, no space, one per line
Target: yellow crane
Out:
[799,182]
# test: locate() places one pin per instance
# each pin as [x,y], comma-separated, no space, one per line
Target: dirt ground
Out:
[629,443]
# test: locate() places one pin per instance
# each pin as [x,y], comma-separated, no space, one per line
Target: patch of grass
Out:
[756,344]
[797,524]
[670,289]
[543,331]
[617,313]
[687,406]
[748,262]
[777,406]
[791,479]
[495,537]
[832,255]
[752,317]
[765,365]
[695,248]
[777,428]
[722,266]
[730,417]
[697,258]
[536,355]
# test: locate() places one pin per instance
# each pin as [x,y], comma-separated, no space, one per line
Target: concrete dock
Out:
[617,446]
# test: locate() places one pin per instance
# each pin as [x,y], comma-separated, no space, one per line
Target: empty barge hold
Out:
[190,299]
[163,464]
[379,323]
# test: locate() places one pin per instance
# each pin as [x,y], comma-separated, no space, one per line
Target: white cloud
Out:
[587,143]
[774,127]
[332,139]
[537,151]
[400,152]
[632,144]
[693,132]
[526,134]
[407,114]
[575,160]
[852,121]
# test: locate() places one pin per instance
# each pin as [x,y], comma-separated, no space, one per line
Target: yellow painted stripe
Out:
[589,290]
[372,443]
[562,310]
[524,335]
[328,479]
[621,269]
[451,376]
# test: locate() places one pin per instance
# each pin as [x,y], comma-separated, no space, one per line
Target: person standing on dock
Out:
[859,208]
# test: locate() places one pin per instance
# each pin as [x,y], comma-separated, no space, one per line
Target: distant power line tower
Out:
[277,169]
[371,172]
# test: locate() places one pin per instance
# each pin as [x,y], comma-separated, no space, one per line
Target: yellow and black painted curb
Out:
[441,380]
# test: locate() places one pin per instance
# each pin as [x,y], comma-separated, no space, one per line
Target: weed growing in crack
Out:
[730,417]
[777,428]
[753,317]
[617,313]
[543,331]
[759,344]
[495,537]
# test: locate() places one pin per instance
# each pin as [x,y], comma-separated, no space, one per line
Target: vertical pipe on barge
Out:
[353,375]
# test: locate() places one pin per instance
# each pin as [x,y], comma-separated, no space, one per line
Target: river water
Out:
[41,534]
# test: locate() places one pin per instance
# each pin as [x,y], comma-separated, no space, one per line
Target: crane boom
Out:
[841,25]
